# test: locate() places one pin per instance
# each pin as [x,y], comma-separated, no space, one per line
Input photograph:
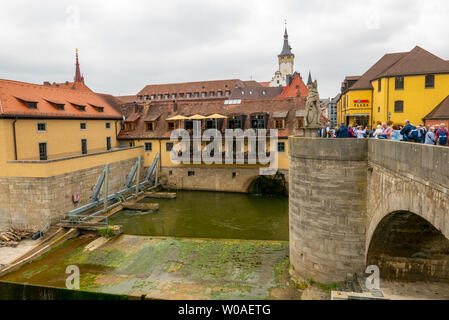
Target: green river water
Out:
[219,215]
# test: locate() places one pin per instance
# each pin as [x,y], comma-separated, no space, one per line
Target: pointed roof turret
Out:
[309,81]
[286,49]
[78,76]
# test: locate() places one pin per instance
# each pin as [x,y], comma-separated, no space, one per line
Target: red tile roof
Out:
[440,112]
[126,99]
[416,62]
[364,83]
[14,96]
[71,85]
[292,90]
[160,111]
[191,87]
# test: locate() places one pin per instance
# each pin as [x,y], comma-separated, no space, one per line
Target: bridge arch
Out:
[408,247]
[389,193]
[269,185]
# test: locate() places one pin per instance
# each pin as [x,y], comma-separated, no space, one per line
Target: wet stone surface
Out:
[169,268]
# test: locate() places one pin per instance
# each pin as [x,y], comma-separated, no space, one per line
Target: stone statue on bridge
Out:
[313,107]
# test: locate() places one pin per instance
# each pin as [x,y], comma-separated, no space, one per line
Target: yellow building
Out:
[54,142]
[400,86]
[150,125]
[41,122]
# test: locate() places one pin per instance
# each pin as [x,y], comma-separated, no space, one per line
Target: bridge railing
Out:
[425,162]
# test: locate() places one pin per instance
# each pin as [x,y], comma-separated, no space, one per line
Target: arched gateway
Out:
[344,193]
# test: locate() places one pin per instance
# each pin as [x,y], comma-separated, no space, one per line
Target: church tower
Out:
[286,58]
[78,76]
[286,64]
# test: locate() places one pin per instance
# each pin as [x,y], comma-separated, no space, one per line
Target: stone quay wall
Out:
[28,201]
[327,201]
[211,178]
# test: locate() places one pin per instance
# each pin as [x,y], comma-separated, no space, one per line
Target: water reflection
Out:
[212,215]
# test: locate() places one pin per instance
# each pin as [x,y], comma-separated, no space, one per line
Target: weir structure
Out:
[344,193]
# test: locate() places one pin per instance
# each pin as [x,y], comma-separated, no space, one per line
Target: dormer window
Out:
[98,108]
[219,93]
[228,93]
[171,125]
[196,94]
[28,103]
[173,96]
[279,124]
[166,96]
[188,95]
[250,91]
[159,96]
[57,105]
[79,107]
[264,92]
[203,94]
[211,93]
[243,92]
[149,126]
[258,121]
[129,126]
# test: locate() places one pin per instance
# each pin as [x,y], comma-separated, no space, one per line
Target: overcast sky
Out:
[125,45]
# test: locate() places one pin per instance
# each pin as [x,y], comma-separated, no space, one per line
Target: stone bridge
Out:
[352,201]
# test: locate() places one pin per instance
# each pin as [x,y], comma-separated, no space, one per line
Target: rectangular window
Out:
[83,146]
[191,173]
[148,146]
[149,126]
[379,85]
[83,126]
[279,124]
[300,123]
[235,122]
[108,125]
[258,122]
[203,94]
[399,106]
[171,125]
[399,83]
[168,146]
[108,143]
[430,81]
[43,151]
[41,127]
[281,146]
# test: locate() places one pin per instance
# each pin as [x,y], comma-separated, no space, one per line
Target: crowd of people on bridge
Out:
[432,135]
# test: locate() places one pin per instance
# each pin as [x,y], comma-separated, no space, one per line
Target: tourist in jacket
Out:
[441,136]
[343,131]
[430,136]
[406,130]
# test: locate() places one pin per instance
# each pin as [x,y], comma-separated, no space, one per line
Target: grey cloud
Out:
[125,45]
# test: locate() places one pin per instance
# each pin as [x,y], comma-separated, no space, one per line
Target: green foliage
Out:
[107,232]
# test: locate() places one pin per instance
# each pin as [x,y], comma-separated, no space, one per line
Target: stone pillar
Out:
[327,207]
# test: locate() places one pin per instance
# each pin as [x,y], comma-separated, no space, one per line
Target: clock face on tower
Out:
[285,68]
